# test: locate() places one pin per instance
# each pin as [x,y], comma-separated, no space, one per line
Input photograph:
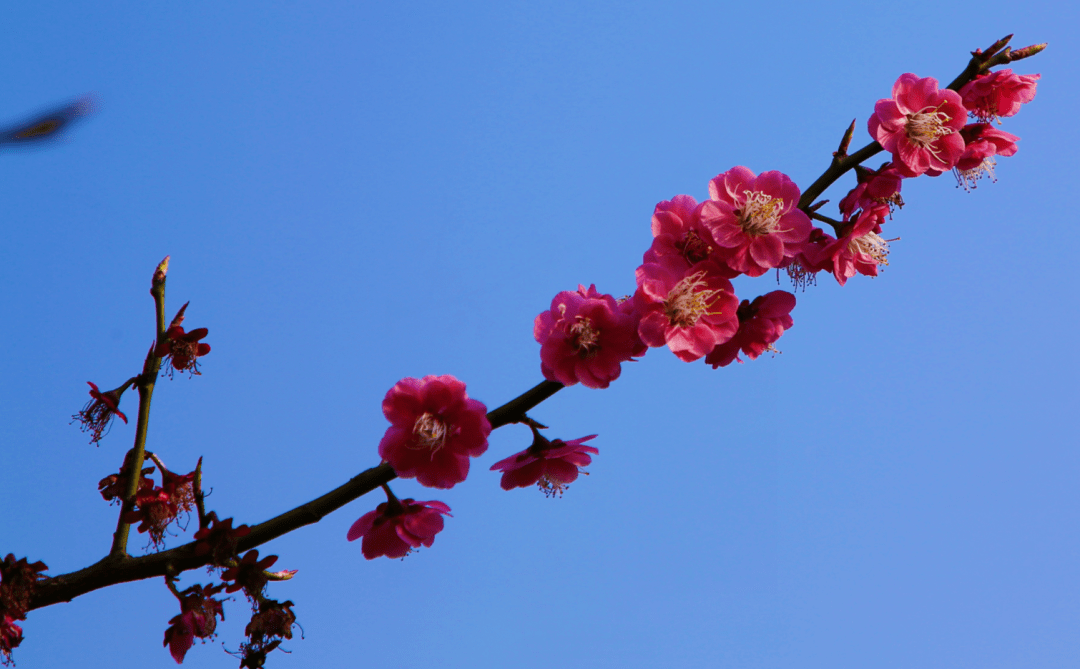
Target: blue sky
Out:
[353,193]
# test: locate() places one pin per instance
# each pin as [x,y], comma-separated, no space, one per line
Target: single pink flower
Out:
[690,310]
[803,268]
[677,231]
[197,618]
[97,416]
[920,125]
[551,465]
[11,635]
[761,323]
[754,220]
[880,186]
[585,337]
[982,142]
[991,96]
[861,249]
[396,527]
[157,507]
[434,429]
[249,573]
[182,349]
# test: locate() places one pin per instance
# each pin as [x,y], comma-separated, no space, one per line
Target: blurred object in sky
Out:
[47,126]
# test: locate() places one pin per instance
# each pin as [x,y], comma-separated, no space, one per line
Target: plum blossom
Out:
[809,260]
[157,507]
[754,220]
[861,249]
[11,635]
[880,186]
[677,231]
[197,618]
[761,323]
[434,429]
[585,337]
[551,465]
[396,527]
[982,142]
[98,414]
[691,310]
[920,125]
[249,574]
[180,349]
[990,96]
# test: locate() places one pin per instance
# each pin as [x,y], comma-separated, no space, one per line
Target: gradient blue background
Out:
[353,193]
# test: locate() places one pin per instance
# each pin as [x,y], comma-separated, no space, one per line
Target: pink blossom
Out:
[249,573]
[97,416]
[920,125]
[983,142]
[552,465]
[158,507]
[11,635]
[997,94]
[690,310]
[197,618]
[754,220]
[585,336]
[810,260]
[677,231]
[396,527]
[434,429]
[761,323]
[880,186]
[861,249]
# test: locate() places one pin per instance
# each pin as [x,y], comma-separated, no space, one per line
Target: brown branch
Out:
[123,568]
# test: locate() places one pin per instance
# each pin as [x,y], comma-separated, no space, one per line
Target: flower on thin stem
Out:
[396,527]
[181,349]
[97,416]
[197,618]
[551,465]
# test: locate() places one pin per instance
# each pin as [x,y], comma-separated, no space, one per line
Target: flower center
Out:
[927,125]
[873,245]
[760,213]
[430,432]
[585,338]
[693,247]
[689,300]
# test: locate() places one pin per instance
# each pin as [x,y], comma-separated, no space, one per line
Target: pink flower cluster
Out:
[749,225]
[685,300]
[925,128]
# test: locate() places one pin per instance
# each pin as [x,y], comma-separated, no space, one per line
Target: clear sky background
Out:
[355,192]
